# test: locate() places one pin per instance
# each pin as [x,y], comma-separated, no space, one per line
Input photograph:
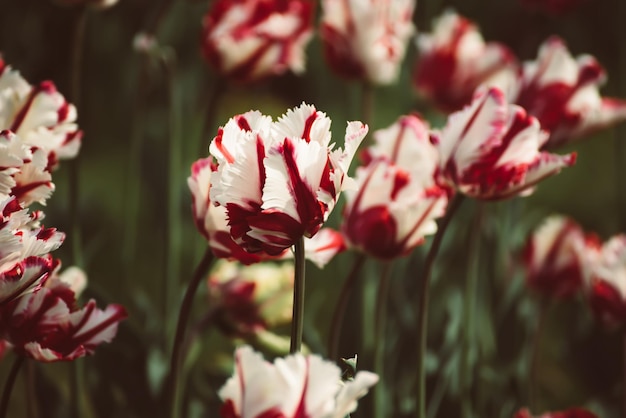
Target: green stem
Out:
[80,25]
[535,358]
[379,349]
[8,386]
[75,95]
[342,303]
[469,306]
[181,327]
[422,313]
[31,390]
[173,221]
[298,298]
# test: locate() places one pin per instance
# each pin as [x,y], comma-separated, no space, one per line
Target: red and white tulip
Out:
[212,223]
[252,298]
[367,39]
[39,115]
[570,413]
[392,211]
[454,60]
[251,39]
[556,257]
[296,386]
[491,150]
[562,92]
[280,180]
[607,281]
[48,326]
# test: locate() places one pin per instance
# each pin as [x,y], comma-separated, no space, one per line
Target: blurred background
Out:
[132,108]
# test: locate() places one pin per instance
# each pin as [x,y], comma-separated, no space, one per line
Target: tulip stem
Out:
[76,62]
[379,348]
[340,308]
[8,385]
[469,306]
[31,390]
[181,327]
[297,323]
[535,358]
[422,313]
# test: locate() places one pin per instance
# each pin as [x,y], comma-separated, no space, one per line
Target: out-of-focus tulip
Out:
[555,258]
[398,198]
[295,386]
[366,39]
[607,281]
[570,413]
[279,180]
[454,60]
[48,326]
[392,211]
[251,39]
[490,149]
[39,115]
[562,92]
[252,298]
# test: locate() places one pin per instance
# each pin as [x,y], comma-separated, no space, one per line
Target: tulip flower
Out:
[366,39]
[246,40]
[253,298]
[39,115]
[401,168]
[562,92]
[212,223]
[48,326]
[454,60]
[279,180]
[570,413]
[490,149]
[295,386]
[607,281]
[555,257]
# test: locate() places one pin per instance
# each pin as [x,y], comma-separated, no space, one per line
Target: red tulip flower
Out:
[366,39]
[454,60]
[491,150]
[562,92]
[296,386]
[556,257]
[279,180]
[251,39]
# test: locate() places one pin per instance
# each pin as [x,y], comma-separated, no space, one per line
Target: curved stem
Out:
[535,358]
[8,386]
[173,218]
[298,298]
[469,308]
[379,349]
[340,308]
[422,313]
[74,95]
[181,327]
